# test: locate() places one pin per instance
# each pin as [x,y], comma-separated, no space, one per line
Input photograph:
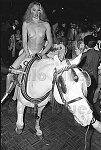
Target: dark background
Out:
[73,9]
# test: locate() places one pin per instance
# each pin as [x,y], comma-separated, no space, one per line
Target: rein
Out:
[24,84]
[25,79]
[24,88]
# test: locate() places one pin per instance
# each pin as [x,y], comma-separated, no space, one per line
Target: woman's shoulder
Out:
[46,24]
[25,23]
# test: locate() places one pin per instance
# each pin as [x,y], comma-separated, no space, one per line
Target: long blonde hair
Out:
[28,15]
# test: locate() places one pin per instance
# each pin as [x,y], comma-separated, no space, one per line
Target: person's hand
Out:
[32,55]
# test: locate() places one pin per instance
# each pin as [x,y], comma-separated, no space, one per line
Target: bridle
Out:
[55,81]
[56,72]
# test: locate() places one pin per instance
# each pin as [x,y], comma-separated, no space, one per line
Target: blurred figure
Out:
[72,32]
[80,47]
[97,94]
[55,28]
[15,24]
[90,61]
[82,34]
[72,43]
[18,43]
[4,41]
[15,45]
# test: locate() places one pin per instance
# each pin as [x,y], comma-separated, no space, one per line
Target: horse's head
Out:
[72,81]
[70,89]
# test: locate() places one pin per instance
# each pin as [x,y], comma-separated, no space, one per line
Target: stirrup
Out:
[10,69]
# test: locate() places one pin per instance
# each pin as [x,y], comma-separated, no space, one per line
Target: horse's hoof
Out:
[18,131]
[39,133]
[40,137]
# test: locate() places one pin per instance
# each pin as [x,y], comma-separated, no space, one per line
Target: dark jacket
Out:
[90,61]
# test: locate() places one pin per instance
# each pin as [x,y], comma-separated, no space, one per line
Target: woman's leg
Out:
[18,61]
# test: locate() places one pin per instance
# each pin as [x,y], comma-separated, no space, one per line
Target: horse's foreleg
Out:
[20,112]
[97,125]
[37,125]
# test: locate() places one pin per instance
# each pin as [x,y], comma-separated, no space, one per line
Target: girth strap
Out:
[74,100]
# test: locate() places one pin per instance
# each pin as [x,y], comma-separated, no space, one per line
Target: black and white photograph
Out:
[50,74]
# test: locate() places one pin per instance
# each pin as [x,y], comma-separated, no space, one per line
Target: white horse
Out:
[62,79]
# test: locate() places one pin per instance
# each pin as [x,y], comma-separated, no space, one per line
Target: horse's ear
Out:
[57,62]
[76,60]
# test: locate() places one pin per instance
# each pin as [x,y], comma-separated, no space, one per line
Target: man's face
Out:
[36,11]
[63,25]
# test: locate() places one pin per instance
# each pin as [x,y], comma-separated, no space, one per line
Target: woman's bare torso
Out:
[36,35]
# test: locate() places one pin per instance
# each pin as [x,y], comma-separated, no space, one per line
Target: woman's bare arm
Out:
[49,38]
[24,38]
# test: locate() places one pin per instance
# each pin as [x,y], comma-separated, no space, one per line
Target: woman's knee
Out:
[24,54]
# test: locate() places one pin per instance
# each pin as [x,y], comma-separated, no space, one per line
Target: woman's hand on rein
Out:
[37,55]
